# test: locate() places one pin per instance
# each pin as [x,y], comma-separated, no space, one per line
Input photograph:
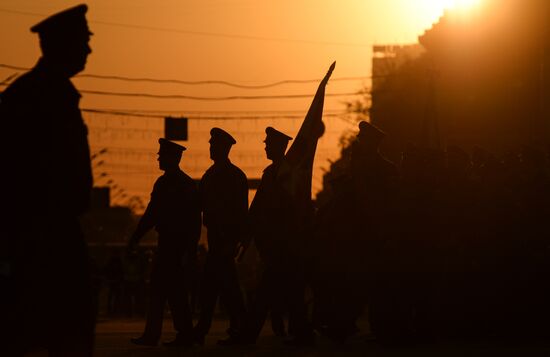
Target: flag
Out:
[296,170]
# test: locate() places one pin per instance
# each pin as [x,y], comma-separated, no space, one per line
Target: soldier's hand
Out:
[239,253]
[131,247]
[189,259]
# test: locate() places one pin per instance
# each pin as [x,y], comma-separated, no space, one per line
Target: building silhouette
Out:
[482,78]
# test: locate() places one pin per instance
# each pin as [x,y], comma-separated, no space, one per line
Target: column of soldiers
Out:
[414,247]
[442,244]
[222,197]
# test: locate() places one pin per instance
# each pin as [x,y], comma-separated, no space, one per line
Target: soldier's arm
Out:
[196,220]
[244,232]
[146,223]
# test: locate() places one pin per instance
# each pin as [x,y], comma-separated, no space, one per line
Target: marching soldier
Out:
[272,218]
[373,178]
[174,211]
[224,199]
[49,185]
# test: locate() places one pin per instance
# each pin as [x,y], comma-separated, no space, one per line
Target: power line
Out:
[189,97]
[204,33]
[213,112]
[203,82]
[226,83]
[206,117]
[118,113]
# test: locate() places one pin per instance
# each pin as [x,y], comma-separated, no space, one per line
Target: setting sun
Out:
[425,12]
[460,5]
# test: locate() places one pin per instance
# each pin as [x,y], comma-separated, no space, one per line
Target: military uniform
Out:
[224,198]
[49,186]
[274,228]
[174,212]
[372,177]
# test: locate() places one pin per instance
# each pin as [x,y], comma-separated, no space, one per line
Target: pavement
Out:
[113,340]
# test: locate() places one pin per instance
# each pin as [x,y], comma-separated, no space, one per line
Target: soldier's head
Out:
[220,144]
[369,136]
[458,160]
[275,144]
[169,154]
[64,40]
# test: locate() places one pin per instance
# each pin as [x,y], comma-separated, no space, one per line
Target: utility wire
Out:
[179,81]
[213,112]
[209,117]
[226,83]
[204,33]
[189,97]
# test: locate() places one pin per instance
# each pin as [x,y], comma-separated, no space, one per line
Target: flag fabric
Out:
[296,170]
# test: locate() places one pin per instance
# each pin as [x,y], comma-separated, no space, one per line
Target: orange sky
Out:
[293,39]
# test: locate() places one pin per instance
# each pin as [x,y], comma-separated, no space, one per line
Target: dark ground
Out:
[113,340]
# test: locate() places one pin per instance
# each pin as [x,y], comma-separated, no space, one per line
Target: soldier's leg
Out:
[72,309]
[158,297]
[232,294]
[299,325]
[266,293]
[178,300]
[208,295]
[277,319]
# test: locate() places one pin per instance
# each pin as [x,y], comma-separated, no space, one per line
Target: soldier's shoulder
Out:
[160,181]
[268,169]
[237,171]
[208,172]
[186,179]
[389,165]
[24,86]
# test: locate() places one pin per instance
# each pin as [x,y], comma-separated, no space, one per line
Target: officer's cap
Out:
[221,136]
[276,135]
[67,23]
[170,148]
[368,131]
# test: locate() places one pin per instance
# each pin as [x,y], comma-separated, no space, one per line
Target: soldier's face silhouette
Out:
[275,150]
[367,143]
[168,161]
[77,55]
[219,151]
[70,56]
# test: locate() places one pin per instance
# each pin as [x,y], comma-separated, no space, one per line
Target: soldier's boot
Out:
[180,341]
[144,341]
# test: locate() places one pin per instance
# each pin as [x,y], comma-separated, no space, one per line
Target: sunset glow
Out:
[455,4]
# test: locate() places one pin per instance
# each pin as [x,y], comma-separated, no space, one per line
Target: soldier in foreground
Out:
[174,211]
[50,299]
[224,199]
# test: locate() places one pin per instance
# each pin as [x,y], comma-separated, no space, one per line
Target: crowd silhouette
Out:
[443,244]
[449,245]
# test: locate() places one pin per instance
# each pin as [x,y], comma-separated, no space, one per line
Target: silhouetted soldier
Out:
[273,228]
[338,282]
[48,187]
[113,274]
[224,199]
[174,211]
[133,283]
[373,177]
